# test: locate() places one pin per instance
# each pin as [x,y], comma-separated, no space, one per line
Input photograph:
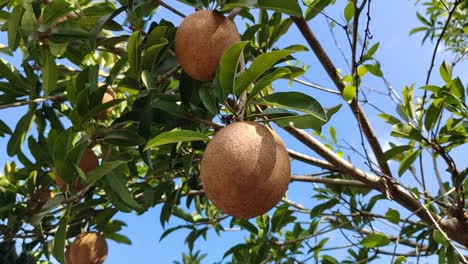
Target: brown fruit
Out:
[245,170]
[88,248]
[67,256]
[200,41]
[109,95]
[88,162]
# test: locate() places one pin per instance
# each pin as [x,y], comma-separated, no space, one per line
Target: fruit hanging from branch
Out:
[245,169]
[88,248]
[200,42]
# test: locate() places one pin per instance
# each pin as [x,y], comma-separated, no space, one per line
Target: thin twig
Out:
[329,181]
[337,80]
[316,86]
[35,100]
[170,8]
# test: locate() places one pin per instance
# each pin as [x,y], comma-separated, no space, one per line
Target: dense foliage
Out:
[63,55]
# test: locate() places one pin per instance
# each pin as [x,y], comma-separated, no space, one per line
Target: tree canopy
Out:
[109,122]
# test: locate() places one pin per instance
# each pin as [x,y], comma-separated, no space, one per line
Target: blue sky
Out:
[404,62]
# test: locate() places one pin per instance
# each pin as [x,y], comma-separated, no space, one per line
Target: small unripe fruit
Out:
[88,248]
[200,41]
[245,169]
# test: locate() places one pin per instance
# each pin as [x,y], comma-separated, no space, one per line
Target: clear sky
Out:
[404,62]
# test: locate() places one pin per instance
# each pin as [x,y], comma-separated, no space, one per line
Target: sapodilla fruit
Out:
[88,162]
[200,41]
[245,169]
[88,248]
[108,96]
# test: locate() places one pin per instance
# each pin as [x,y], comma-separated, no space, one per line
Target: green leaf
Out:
[98,109]
[151,55]
[59,240]
[99,25]
[209,99]
[316,7]
[168,231]
[439,237]
[296,101]
[375,240]
[19,135]
[267,80]
[282,217]
[14,22]
[54,10]
[300,121]
[118,184]
[432,114]
[400,260]
[245,224]
[287,7]
[102,170]
[349,11]
[408,161]
[118,238]
[446,71]
[389,119]
[133,48]
[123,138]
[4,129]
[228,66]
[393,216]
[49,73]
[389,154]
[174,137]
[349,93]
[261,64]
[13,76]
[406,131]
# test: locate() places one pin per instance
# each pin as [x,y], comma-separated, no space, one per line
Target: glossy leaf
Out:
[102,170]
[260,65]
[375,240]
[14,22]
[407,162]
[296,101]
[123,138]
[229,64]
[389,154]
[316,7]
[59,240]
[267,80]
[19,135]
[349,11]
[49,73]
[287,7]
[174,137]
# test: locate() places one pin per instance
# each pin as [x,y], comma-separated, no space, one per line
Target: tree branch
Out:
[358,112]
[329,181]
[35,100]
[310,160]
[454,228]
[170,8]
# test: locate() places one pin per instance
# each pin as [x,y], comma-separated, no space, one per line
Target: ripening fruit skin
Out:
[88,162]
[200,41]
[67,256]
[109,95]
[245,169]
[88,248]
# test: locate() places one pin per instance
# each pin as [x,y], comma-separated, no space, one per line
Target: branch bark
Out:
[329,181]
[455,229]
[332,72]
